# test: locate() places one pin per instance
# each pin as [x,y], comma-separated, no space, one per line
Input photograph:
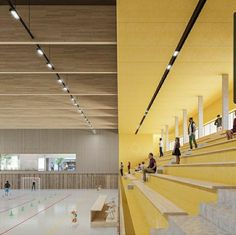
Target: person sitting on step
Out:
[151,167]
[230,133]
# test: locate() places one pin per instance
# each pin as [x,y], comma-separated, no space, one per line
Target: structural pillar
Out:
[200,117]
[167,138]
[176,126]
[225,101]
[162,134]
[185,126]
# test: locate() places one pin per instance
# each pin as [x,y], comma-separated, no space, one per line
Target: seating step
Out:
[198,183]
[202,164]
[227,197]
[210,152]
[222,216]
[205,146]
[130,177]
[192,225]
[163,205]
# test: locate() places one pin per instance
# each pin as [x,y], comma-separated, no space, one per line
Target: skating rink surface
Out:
[48,212]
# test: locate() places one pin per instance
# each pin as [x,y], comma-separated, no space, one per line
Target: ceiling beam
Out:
[55,72]
[59,94]
[61,2]
[57,43]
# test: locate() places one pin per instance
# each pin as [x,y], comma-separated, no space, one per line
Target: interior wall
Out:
[134,148]
[95,153]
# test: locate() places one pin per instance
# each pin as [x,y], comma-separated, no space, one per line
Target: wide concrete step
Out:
[193,225]
[162,204]
[227,198]
[222,216]
[193,182]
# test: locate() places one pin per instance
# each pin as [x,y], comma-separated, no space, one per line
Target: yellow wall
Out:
[134,148]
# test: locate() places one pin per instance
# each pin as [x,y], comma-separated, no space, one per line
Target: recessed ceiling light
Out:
[14,14]
[65,88]
[40,51]
[168,67]
[60,80]
[49,65]
[176,53]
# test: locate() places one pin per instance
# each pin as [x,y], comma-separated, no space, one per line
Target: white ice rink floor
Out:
[48,212]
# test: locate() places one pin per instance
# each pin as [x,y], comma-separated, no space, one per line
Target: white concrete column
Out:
[176,126]
[167,138]
[225,101]
[185,126]
[162,134]
[200,117]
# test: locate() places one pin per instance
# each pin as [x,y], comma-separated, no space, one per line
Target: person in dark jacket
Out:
[129,167]
[121,169]
[192,133]
[151,167]
[7,187]
[176,151]
[218,123]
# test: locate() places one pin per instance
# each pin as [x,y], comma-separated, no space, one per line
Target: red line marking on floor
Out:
[8,230]
[10,208]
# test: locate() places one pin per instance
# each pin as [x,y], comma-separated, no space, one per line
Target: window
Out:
[9,162]
[41,164]
[38,162]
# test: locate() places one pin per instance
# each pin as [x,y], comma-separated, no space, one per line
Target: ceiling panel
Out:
[60,23]
[80,41]
[64,58]
[38,84]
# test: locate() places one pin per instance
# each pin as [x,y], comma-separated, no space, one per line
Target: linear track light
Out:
[14,13]
[39,51]
[198,9]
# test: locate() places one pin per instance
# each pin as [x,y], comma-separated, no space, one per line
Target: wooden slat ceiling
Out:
[81,43]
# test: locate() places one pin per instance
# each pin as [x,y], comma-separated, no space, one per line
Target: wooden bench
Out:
[163,205]
[98,215]
[198,183]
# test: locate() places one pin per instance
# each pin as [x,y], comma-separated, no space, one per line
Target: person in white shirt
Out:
[192,133]
[142,166]
[161,147]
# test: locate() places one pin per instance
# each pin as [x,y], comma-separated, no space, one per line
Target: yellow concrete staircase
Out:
[183,200]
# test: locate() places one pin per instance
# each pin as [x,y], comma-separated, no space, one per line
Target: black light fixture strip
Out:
[185,35]
[75,102]
[21,20]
